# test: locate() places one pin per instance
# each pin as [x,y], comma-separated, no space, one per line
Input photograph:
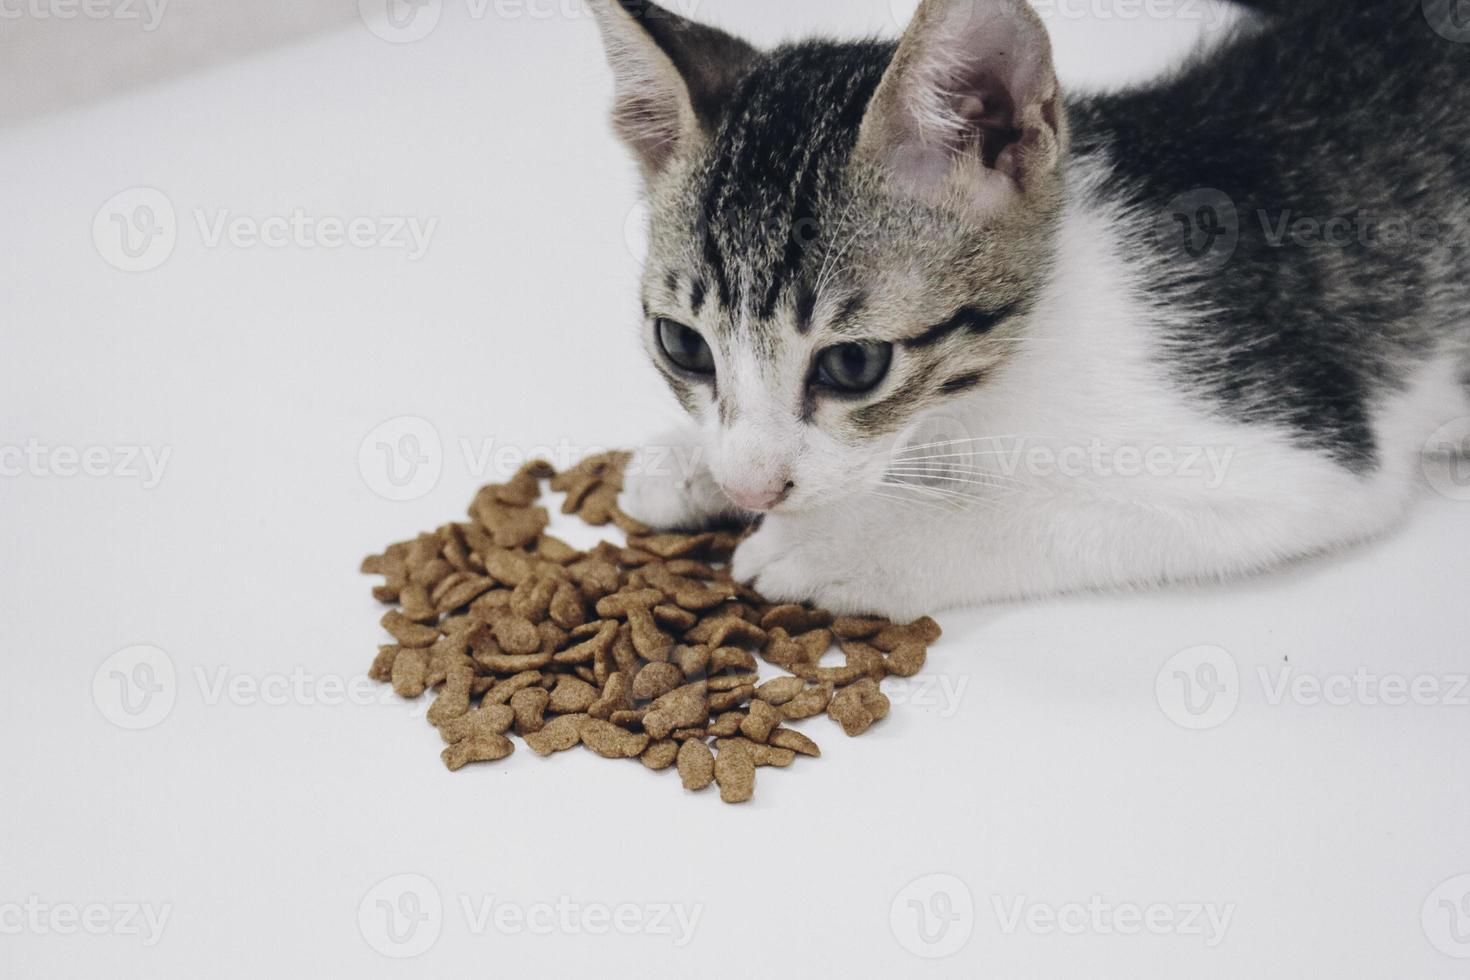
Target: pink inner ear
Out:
[650,124]
[987,117]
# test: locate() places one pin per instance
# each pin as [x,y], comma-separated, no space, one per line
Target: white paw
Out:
[660,496]
[784,566]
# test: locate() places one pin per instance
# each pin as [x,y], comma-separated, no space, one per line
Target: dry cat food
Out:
[650,651]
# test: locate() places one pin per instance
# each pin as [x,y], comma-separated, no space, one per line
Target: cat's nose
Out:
[758,497]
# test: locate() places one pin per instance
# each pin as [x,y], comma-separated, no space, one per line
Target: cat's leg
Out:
[668,486]
[906,559]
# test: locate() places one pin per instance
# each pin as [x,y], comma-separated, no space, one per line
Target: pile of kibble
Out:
[645,652]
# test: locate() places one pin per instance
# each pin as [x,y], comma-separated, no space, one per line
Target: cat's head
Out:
[845,238]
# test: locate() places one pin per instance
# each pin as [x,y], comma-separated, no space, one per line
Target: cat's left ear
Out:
[969,113]
[672,77]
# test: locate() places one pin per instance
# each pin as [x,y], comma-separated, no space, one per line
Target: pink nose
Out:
[758,498]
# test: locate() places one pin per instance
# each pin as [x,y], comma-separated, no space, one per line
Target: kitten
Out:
[957,337]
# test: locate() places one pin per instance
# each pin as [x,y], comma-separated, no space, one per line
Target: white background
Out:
[1052,771]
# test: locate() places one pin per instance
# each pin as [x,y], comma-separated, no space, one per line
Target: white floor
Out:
[1039,801]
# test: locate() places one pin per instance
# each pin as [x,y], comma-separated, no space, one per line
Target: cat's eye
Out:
[685,347]
[855,367]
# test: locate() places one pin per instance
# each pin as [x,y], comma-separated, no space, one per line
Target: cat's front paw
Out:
[662,497]
[784,565]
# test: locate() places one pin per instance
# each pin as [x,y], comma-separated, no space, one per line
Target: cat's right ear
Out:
[672,76]
[968,113]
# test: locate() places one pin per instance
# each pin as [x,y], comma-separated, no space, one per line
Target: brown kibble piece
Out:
[504,690]
[651,642]
[567,609]
[780,690]
[485,748]
[907,659]
[924,632]
[735,773]
[808,704]
[571,696]
[409,670]
[795,619]
[494,719]
[382,668]
[857,707]
[857,627]
[727,725]
[558,735]
[517,635]
[454,697]
[655,680]
[726,700]
[610,741]
[407,632]
[529,706]
[761,755]
[661,754]
[760,722]
[696,765]
[790,738]
[730,658]
[617,695]
[588,650]
[693,661]
[685,707]
[618,606]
